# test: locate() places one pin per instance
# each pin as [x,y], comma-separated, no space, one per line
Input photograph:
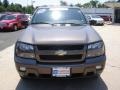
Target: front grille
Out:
[47,53]
[56,57]
[60,47]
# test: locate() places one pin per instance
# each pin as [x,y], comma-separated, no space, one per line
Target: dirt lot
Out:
[110,78]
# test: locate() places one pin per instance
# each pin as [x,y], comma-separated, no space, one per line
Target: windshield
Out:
[95,16]
[59,16]
[2,16]
[9,17]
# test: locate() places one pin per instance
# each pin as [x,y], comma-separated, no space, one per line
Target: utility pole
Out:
[32,5]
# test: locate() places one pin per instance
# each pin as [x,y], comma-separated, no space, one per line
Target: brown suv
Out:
[59,43]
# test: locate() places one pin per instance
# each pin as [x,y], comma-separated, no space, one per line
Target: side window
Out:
[24,16]
[19,16]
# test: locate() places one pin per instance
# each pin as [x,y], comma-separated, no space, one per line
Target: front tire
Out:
[102,24]
[93,22]
[24,77]
[15,28]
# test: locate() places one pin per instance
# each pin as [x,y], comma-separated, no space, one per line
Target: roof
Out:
[52,6]
[17,14]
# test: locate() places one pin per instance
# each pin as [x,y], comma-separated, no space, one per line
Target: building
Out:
[108,12]
[116,7]
[113,11]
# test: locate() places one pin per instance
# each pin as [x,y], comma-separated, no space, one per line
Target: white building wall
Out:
[99,11]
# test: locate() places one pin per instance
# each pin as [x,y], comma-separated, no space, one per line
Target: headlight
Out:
[4,24]
[10,24]
[95,49]
[24,50]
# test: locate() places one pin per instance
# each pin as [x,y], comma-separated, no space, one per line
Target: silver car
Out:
[95,20]
[59,42]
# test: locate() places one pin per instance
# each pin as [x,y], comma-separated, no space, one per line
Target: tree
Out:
[63,3]
[0,3]
[71,5]
[94,3]
[2,9]
[18,7]
[86,5]
[78,5]
[28,9]
[102,5]
[5,3]
[11,8]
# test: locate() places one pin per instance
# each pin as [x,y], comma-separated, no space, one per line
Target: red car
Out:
[14,22]
[106,18]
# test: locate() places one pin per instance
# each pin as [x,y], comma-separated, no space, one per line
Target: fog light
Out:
[99,67]
[22,69]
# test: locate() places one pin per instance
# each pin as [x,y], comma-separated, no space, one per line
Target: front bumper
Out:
[77,70]
[6,28]
[100,22]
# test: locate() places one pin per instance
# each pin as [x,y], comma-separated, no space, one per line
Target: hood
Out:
[38,34]
[98,19]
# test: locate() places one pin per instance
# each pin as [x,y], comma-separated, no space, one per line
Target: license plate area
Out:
[61,72]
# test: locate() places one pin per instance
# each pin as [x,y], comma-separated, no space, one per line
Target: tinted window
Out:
[24,16]
[2,16]
[20,16]
[59,15]
[9,17]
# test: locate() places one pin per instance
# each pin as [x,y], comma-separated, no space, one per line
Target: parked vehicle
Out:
[59,42]
[29,16]
[106,18]
[13,22]
[95,20]
[2,16]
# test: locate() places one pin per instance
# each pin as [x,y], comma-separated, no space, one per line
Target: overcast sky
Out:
[49,2]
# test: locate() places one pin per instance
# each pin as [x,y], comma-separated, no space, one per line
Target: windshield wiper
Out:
[78,24]
[41,23]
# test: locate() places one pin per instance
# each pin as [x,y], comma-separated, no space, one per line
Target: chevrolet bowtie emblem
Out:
[60,52]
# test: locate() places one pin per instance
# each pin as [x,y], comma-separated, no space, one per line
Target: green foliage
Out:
[63,3]
[86,5]
[2,9]
[5,3]
[78,5]
[0,3]
[94,4]
[5,6]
